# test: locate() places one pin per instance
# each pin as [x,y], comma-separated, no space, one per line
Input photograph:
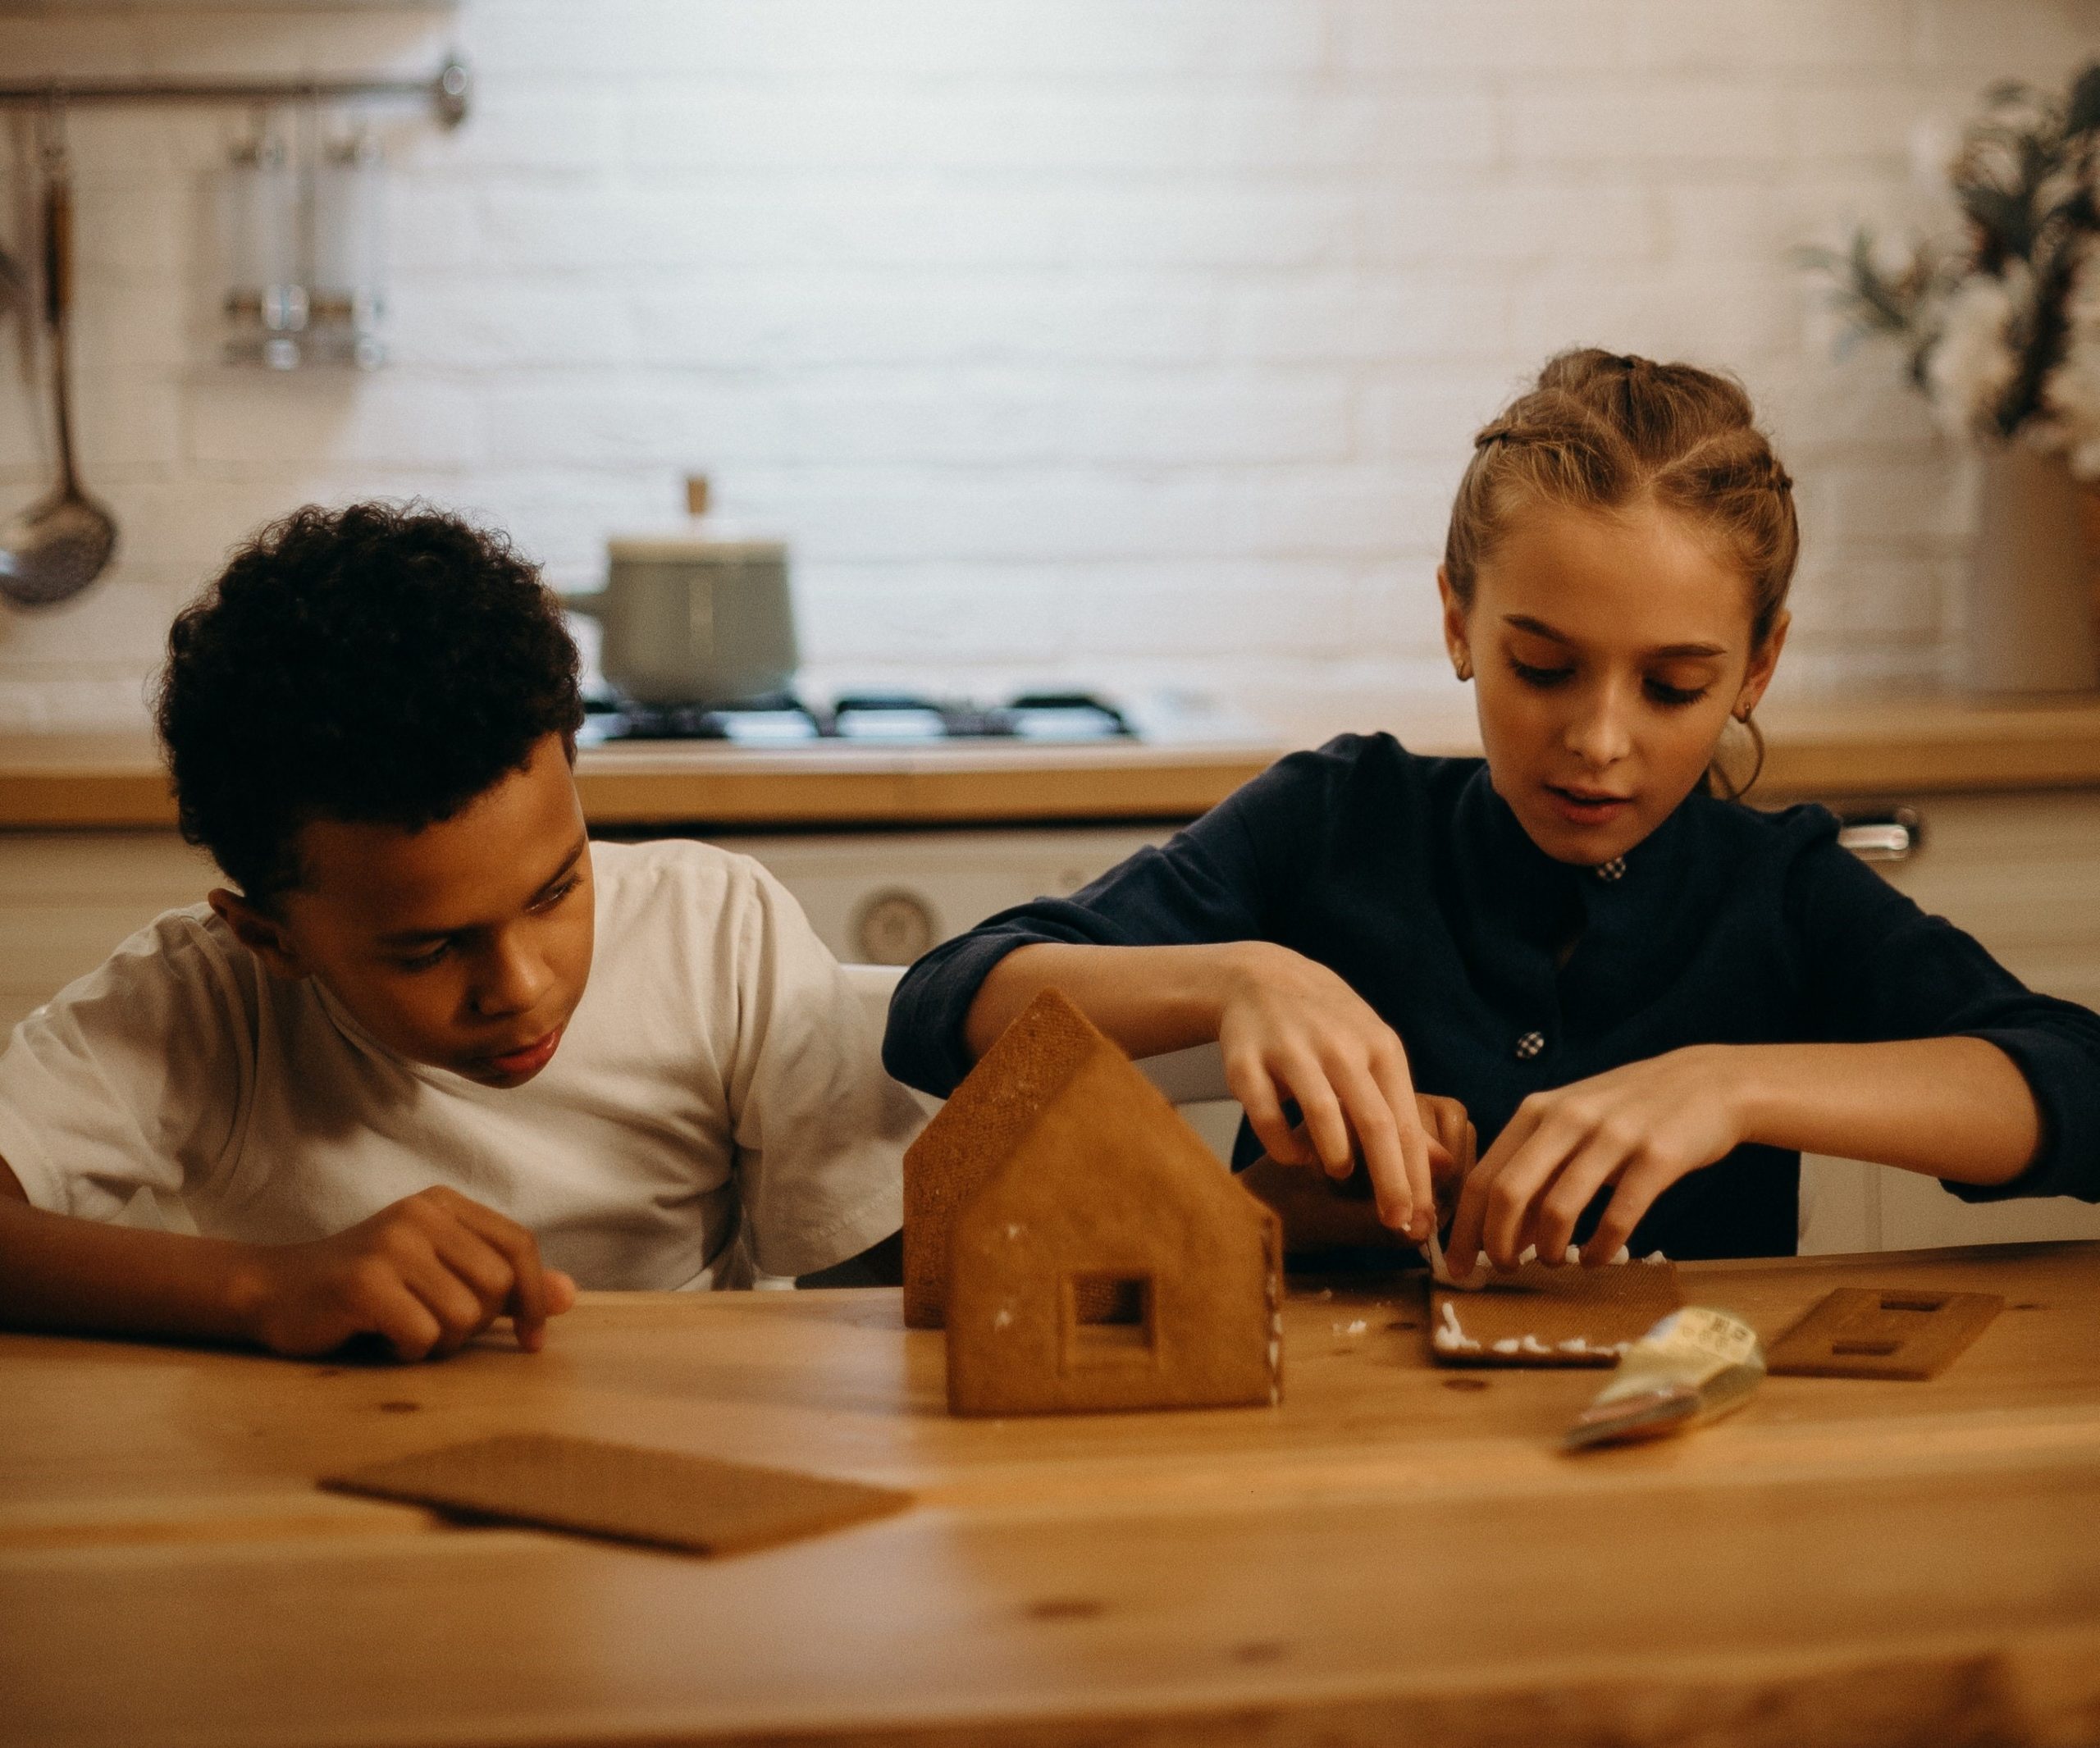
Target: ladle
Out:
[63,541]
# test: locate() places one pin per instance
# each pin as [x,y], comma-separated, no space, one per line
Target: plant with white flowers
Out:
[2001,325]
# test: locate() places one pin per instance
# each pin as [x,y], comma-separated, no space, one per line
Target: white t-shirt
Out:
[719,1079]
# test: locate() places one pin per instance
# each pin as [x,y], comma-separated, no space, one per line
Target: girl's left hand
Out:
[1640,1127]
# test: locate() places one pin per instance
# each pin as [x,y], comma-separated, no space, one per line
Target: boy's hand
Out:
[426,1275]
[1640,1127]
[1292,1030]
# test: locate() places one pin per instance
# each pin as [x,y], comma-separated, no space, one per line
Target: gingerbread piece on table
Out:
[1084,1248]
[1882,1332]
[1536,1315]
[664,1498]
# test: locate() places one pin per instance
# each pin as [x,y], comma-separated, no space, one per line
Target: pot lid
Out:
[688,549]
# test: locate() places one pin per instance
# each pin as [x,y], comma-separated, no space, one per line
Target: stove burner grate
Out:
[885,718]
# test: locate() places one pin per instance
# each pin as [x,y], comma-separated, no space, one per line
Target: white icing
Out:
[1449,1335]
[1484,1274]
[1508,1344]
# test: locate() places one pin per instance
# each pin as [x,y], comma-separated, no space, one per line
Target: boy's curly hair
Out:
[382,662]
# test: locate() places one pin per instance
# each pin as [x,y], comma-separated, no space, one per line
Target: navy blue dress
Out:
[1411,879]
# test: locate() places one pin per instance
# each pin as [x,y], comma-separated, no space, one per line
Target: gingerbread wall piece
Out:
[1097,1256]
[971,1135]
[1882,1332]
[1537,1316]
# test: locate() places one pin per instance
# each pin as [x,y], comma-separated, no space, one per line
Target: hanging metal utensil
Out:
[62,543]
[14,284]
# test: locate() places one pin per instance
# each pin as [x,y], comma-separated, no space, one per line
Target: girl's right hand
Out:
[1290,1028]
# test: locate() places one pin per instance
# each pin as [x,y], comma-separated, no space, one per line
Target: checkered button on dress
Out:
[1613,869]
[1529,1046]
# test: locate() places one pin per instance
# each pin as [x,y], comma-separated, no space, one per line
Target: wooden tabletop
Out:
[1397,1555]
[1891,747]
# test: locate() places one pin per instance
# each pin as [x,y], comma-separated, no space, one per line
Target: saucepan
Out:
[695,621]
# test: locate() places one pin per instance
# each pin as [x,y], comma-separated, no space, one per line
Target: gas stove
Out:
[884,719]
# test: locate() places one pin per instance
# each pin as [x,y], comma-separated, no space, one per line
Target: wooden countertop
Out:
[1887,748]
[65,781]
[1398,1553]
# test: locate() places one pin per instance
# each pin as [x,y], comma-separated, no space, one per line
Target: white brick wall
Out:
[1135,341]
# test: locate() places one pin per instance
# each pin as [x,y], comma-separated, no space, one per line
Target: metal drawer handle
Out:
[1891,837]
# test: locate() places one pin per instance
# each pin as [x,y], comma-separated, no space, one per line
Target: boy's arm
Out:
[58,1273]
[425,1276]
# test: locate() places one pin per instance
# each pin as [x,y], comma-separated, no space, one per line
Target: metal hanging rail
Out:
[446,91]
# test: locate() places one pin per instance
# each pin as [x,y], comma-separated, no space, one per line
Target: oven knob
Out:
[892,927]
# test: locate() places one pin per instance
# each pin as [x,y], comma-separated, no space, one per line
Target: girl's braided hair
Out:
[1600,431]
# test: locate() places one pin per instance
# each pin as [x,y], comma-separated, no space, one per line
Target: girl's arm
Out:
[1955,1108]
[1149,999]
[1926,1054]
[1178,946]
[1288,1028]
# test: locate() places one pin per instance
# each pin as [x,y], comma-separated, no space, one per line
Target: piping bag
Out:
[1694,1365]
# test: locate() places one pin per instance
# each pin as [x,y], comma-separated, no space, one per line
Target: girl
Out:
[1652,998]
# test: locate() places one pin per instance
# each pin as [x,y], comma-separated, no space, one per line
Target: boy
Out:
[433,1058]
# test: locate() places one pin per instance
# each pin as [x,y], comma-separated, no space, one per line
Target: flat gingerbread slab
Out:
[660,1497]
[1891,1332]
[1537,1316]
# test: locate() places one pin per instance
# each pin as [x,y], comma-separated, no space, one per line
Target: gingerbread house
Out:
[1083,1247]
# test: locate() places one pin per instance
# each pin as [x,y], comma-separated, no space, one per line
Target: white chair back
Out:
[873,984]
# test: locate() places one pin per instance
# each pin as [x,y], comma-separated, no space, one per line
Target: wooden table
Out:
[1397,1555]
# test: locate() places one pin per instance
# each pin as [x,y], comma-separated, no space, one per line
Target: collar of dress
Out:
[1504,873]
